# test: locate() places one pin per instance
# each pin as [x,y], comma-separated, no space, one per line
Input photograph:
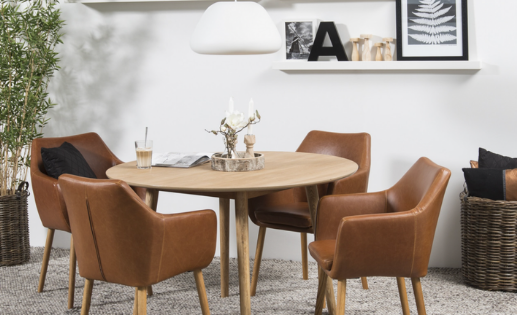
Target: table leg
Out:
[224,237]
[151,198]
[241,222]
[313,198]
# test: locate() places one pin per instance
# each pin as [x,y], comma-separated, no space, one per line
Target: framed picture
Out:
[432,30]
[299,37]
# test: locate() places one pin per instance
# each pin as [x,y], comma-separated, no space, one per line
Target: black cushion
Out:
[485,182]
[65,159]
[489,159]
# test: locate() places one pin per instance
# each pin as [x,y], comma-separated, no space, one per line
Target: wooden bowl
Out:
[223,164]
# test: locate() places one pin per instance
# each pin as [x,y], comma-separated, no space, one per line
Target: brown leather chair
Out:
[119,239]
[47,194]
[382,234]
[288,209]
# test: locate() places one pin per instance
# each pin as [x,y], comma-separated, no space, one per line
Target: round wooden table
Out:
[283,170]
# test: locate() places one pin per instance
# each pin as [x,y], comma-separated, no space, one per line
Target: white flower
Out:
[223,128]
[235,120]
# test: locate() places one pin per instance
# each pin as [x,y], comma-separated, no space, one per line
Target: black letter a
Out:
[336,49]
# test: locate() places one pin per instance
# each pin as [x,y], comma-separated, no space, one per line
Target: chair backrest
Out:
[421,190]
[116,236]
[49,202]
[352,146]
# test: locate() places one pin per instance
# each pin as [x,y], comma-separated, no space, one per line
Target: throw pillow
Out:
[65,159]
[495,184]
[489,159]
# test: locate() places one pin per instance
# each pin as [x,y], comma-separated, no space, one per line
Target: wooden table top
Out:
[282,170]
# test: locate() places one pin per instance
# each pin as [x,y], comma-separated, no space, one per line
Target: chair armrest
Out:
[49,201]
[189,241]
[355,183]
[376,245]
[332,209]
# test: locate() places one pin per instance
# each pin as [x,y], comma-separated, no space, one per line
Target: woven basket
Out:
[489,243]
[14,228]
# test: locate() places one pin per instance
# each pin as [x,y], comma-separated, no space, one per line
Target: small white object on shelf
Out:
[387,54]
[355,52]
[378,56]
[380,66]
[367,54]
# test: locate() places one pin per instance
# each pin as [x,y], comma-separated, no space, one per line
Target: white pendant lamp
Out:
[235,28]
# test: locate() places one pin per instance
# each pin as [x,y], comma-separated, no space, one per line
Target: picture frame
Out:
[298,37]
[432,30]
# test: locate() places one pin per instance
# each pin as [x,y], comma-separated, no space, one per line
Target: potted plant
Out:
[230,160]
[29,33]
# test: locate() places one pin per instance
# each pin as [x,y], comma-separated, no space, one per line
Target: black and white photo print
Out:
[299,37]
[432,30]
[432,22]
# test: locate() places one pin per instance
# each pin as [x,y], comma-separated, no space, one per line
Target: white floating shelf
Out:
[132,1]
[377,65]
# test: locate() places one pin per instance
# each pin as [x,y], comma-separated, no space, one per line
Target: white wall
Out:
[128,66]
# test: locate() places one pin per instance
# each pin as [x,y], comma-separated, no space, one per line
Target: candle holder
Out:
[249,140]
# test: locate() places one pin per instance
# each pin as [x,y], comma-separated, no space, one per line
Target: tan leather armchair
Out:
[119,239]
[288,210]
[388,233]
[47,193]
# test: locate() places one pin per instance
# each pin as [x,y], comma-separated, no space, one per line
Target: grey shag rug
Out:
[280,291]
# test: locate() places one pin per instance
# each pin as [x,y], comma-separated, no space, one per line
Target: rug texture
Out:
[280,291]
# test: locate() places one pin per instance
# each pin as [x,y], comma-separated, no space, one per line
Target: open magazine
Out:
[185,160]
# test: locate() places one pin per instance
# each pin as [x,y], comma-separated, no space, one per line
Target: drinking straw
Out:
[145,141]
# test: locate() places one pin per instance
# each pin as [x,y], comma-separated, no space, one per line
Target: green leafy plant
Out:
[29,32]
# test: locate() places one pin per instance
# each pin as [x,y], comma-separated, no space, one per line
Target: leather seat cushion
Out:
[292,214]
[323,252]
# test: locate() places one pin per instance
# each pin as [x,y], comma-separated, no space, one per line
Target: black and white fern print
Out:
[432,22]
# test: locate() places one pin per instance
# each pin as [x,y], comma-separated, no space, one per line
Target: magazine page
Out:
[185,160]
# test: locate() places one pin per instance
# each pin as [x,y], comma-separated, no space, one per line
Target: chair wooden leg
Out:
[322,288]
[324,298]
[365,283]
[331,300]
[142,300]
[87,296]
[341,296]
[419,297]
[150,290]
[135,305]
[71,274]
[403,295]
[201,292]
[46,257]
[305,261]
[258,260]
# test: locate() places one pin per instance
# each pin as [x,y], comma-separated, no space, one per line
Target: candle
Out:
[250,114]
[230,107]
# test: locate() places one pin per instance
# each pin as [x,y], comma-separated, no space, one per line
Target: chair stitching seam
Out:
[414,243]
[94,239]
[161,254]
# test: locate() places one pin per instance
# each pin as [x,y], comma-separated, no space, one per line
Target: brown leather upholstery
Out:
[119,239]
[47,194]
[388,233]
[288,209]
